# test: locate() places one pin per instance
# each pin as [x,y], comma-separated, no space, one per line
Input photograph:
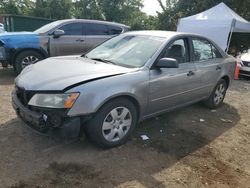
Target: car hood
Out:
[59,73]
[19,39]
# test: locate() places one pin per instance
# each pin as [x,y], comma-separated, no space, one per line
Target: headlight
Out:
[65,100]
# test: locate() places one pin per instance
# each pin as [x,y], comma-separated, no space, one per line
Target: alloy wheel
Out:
[219,94]
[116,124]
[29,60]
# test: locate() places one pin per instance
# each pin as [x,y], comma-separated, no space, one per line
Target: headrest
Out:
[176,51]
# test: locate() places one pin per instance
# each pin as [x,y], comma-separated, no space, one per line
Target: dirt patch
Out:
[189,147]
[66,174]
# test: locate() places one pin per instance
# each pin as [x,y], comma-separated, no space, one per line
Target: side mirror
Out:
[167,63]
[58,33]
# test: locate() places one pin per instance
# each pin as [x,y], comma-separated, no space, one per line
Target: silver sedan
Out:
[132,77]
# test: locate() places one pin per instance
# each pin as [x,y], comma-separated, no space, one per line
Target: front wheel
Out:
[218,95]
[112,125]
[26,58]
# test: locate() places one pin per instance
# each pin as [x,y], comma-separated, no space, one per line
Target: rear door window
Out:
[96,29]
[204,50]
[114,30]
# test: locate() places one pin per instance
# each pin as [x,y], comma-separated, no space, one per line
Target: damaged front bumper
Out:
[245,71]
[43,120]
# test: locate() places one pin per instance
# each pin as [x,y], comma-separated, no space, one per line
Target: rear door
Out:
[72,43]
[97,33]
[172,87]
[207,60]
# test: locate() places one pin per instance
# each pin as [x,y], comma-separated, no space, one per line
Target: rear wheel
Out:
[112,125]
[218,95]
[26,58]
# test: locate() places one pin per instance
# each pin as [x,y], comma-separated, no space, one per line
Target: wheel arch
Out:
[126,96]
[41,51]
[227,79]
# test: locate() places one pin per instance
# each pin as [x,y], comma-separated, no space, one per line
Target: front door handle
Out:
[218,67]
[79,40]
[190,73]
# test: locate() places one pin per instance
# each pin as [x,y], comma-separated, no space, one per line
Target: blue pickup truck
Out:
[63,37]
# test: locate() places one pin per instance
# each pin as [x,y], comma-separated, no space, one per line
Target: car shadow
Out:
[187,129]
[172,136]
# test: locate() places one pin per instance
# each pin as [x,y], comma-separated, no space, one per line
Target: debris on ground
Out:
[144,137]
[202,120]
[226,120]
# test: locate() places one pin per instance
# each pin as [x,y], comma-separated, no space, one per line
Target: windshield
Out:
[127,50]
[47,27]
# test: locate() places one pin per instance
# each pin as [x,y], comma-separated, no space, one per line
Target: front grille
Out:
[246,63]
[23,95]
[245,73]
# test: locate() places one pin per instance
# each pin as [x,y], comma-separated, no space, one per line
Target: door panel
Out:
[208,73]
[67,45]
[171,87]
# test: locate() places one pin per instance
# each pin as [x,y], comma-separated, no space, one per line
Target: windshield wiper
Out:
[104,60]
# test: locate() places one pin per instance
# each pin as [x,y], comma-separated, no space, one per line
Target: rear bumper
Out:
[245,71]
[39,121]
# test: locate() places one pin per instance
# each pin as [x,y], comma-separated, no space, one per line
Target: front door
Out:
[71,43]
[171,87]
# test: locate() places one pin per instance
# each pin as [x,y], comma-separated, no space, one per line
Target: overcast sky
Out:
[151,6]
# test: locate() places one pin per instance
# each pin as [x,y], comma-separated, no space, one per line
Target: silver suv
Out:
[63,37]
[132,77]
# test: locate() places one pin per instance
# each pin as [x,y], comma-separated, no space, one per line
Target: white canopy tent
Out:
[216,23]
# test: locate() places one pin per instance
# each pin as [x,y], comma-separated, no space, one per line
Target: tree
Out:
[41,8]
[60,9]
[87,9]
[18,7]
[53,9]
[141,21]
[119,10]
[122,11]
[167,19]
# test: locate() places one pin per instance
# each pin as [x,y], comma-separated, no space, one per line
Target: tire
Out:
[108,126]
[217,96]
[26,58]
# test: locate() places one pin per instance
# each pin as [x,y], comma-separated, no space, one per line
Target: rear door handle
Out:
[79,40]
[190,73]
[218,67]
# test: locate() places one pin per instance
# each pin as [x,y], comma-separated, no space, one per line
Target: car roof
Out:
[163,34]
[91,21]
[155,33]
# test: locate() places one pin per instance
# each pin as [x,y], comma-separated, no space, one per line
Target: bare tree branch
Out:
[161,5]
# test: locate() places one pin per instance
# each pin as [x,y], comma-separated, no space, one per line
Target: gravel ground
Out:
[182,151]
